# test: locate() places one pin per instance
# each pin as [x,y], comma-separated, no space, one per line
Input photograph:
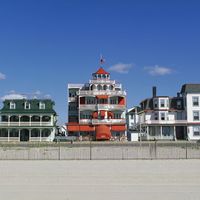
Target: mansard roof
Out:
[101,71]
[34,106]
[190,88]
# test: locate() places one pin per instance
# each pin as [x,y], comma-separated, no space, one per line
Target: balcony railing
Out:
[85,121]
[165,122]
[102,107]
[109,121]
[101,81]
[104,92]
[72,99]
[8,124]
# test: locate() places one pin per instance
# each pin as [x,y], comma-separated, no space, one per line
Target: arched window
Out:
[4,118]
[105,87]
[111,87]
[35,132]
[46,118]
[35,118]
[14,118]
[46,132]
[99,87]
[25,119]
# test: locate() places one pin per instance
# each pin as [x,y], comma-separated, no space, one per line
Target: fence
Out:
[99,151]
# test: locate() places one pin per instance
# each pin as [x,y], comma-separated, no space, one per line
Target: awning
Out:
[86,128]
[103,132]
[102,96]
[118,128]
[73,128]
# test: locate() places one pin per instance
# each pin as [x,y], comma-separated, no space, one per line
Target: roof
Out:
[101,71]
[34,106]
[190,88]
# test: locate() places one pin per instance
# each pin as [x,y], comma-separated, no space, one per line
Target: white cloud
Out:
[37,92]
[47,96]
[2,76]
[121,68]
[14,96]
[158,70]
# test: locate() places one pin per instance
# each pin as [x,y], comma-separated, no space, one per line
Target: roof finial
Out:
[102,60]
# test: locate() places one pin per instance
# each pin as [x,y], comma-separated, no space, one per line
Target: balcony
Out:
[102,107]
[109,121]
[165,122]
[87,106]
[14,124]
[72,99]
[85,121]
[97,81]
[101,92]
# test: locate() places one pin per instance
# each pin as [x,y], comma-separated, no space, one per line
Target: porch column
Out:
[161,136]
[19,132]
[175,133]
[8,120]
[29,134]
[30,122]
[40,120]
[40,135]
[148,130]
[19,120]
[8,135]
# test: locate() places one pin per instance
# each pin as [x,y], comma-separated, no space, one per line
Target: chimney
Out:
[154,91]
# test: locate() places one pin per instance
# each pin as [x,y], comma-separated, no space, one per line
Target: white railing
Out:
[71,85]
[104,92]
[109,121]
[88,106]
[26,124]
[72,99]
[165,122]
[102,107]
[160,137]
[85,121]
[101,81]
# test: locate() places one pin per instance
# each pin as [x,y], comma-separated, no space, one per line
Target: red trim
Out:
[102,96]
[101,71]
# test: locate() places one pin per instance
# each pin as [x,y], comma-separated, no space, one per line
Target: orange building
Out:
[97,109]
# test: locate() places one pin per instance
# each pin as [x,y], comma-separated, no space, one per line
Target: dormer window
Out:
[27,106]
[12,105]
[155,103]
[42,105]
[162,103]
[178,104]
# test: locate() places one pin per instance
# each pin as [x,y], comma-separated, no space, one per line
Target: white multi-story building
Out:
[191,99]
[163,117]
[132,120]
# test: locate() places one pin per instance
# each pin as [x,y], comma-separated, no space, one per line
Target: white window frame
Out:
[196,115]
[162,114]
[197,131]
[27,106]
[42,106]
[12,105]
[195,102]
[162,103]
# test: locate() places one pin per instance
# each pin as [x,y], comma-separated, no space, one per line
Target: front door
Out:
[24,135]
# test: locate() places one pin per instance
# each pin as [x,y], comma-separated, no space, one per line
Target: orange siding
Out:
[118,128]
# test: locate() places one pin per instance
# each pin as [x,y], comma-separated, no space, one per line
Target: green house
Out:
[27,120]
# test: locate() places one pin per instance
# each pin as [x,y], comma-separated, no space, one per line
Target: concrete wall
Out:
[150,150]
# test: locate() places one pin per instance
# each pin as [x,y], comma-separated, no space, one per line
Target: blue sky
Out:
[44,45]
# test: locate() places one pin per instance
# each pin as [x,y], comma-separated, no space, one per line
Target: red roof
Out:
[101,71]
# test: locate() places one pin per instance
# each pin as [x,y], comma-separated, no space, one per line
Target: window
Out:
[131,116]
[155,103]
[162,103]
[195,115]
[195,101]
[162,116]
[42,105]
[178,104]
[117,116]
[27,106]
[156,116]
[196,130]
[12,105]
